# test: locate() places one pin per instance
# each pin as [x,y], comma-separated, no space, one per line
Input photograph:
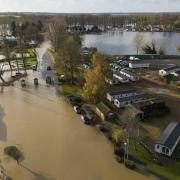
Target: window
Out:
[158,146]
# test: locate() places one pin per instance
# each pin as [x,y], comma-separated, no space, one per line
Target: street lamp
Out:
[125,149]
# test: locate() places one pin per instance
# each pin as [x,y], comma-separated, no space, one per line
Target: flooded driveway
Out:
[55,144]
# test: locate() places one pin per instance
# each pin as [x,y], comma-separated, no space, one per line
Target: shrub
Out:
[119,151]
[75,100]
[119,159]
[130,164]
[13,152]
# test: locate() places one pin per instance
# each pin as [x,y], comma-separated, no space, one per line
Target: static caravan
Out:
[130,75]
[169,139]
[123,102]
[120,94]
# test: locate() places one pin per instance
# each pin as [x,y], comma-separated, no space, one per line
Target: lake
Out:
[121,43]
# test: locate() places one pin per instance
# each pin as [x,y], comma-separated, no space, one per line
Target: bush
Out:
[130,164]
[74,100]
[13,152]
[119,151]
[119,159]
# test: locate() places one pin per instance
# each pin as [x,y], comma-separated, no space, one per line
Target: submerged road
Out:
[55,144]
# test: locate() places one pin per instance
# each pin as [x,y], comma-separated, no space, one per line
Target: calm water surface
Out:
[122,42]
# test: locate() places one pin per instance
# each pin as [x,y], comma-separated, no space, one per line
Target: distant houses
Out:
[169,139]
[173,70]
[139,64]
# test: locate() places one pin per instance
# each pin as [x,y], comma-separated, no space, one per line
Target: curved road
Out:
[55,144]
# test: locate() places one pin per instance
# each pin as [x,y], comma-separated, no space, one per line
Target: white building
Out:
[130,75]
[169,139]
[120,77]
[169,70]
[124,101]
[141,64]
[111,96]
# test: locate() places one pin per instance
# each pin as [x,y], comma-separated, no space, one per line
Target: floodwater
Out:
[122,43]
[54,142]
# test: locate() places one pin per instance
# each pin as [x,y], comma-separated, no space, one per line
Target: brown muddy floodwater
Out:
[55,144]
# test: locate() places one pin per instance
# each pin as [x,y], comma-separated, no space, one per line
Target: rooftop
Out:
[147,102]
[136,97]
[128,72]
[122,92]
[171,68]
[170,135]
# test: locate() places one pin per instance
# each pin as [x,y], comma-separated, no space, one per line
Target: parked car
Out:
[49,68]
[85,119]
[36,81]
[23,83]
[77,109]
[34,67]
[48,80]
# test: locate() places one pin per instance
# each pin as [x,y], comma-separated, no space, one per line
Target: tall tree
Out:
[69,55]
[94,83]
[102,60]
[149,49]
[22,44]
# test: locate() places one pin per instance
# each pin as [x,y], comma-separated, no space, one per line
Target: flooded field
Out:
[55,144]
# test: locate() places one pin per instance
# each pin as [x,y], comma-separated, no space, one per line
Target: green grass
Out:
[71,89]
[170,171]
[31,52]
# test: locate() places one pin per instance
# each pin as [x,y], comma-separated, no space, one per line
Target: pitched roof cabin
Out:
[169,139]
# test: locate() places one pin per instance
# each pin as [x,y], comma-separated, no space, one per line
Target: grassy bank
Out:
[169,171]
[69,89]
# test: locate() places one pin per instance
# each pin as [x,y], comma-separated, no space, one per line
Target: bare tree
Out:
[69,55]
[138,41]
[7,53]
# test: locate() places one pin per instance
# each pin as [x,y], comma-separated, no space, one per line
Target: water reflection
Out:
[116,42]
[3,129]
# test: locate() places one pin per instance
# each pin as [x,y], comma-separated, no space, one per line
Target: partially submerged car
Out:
[77,109]
[85,119]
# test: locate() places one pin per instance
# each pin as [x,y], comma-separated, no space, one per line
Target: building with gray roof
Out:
[169,139]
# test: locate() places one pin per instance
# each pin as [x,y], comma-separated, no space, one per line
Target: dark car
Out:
[48,80]
[34,67]
[36,81]
[85,119]
[49,68]
[23,83]
[77,109]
